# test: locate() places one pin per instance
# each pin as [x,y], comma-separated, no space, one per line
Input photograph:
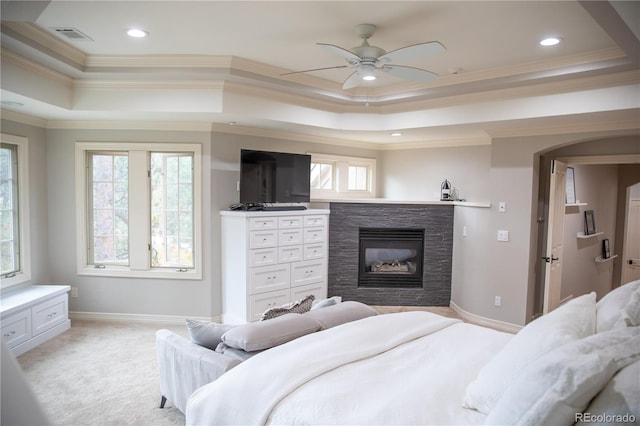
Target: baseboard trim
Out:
[136,318]
[485,322]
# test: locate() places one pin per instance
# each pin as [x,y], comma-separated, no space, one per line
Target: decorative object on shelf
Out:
[571,187]
[606,252]
[445,191]
[589,222]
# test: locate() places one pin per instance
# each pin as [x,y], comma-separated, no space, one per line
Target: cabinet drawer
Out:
[308,272]
[314,251]
[259,303]
[290,222]
[268,278]
[319,290]
[313,235]
[315,221]
[289,254]
[263,239]
[263,257]
[288,237]
[257,223]
[49,314]
[16,328]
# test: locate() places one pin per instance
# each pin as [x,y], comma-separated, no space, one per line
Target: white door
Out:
[631,247]
[555,235]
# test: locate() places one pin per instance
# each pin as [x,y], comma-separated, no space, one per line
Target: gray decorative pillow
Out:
[341,313]
[256,336]
[324,303]
[298,307]
[206,333]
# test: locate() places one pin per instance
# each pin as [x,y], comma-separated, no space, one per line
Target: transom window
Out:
[334,176]
[141,210]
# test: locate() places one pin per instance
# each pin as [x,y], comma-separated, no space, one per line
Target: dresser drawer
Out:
[314,235]
[263,257]
[314,251]
[263,239]
[268,278]
[16,328]
[312,221]
[319,290]
[260,223]
[49,314]
[289,237]
[290,254]
[308,272]
[289,222]
[259,303]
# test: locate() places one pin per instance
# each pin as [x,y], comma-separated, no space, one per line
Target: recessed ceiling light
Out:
[396,134]
[550,41]
[137,33]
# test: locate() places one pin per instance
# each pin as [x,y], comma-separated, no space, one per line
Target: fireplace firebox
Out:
[390,257]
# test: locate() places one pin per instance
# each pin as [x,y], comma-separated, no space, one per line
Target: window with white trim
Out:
[141,208]
[14,211]
[334,176]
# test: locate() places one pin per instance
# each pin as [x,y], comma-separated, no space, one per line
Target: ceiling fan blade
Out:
[352,58]
[315,69]
[412,52]
[354,80]
[410,73]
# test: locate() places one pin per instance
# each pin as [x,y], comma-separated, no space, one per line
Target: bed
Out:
[419,368]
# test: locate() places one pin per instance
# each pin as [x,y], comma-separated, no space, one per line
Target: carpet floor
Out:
[105,373]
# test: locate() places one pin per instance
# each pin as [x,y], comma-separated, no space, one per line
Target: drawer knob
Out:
[9,334]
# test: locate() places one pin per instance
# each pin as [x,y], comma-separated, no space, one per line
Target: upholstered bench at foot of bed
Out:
[184,366]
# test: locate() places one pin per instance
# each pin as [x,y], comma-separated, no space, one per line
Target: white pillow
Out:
[571,321]
[610,307]
[630,316]
[555,389]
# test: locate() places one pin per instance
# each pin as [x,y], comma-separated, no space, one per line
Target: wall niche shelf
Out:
[601,259]
[582,235]
[575,204]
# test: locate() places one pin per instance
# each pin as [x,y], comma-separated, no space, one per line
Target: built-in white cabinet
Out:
[270,258]
[32,315]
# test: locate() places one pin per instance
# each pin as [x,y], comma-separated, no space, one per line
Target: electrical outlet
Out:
[74,292]
[503,235]
[497,301]
[465,231]
[502,207]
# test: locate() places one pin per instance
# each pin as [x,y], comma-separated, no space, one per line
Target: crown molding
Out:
[589,127]
[18,117]
[44,71]
[436,143]
[184,126]
[46,42]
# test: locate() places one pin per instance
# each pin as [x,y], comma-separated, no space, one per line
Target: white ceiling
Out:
[221,61]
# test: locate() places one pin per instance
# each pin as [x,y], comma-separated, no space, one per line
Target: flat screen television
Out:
[274,177]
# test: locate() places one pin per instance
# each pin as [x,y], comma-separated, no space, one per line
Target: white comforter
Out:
[405,368]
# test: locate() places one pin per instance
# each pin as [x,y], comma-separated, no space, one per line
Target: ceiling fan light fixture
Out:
[369,77]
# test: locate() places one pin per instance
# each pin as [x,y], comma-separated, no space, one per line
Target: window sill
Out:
[169,274]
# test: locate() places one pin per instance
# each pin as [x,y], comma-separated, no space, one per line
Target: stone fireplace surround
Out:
[345,221]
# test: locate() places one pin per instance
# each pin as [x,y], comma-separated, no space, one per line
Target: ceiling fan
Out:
[370,60]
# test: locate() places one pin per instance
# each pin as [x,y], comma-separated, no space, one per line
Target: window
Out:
[142,210]
[14,211]
[335,176]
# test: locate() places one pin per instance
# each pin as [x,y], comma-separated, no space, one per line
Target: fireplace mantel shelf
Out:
[390,201]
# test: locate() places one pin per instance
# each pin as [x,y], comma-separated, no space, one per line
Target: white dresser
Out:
[32,315]
[271,258]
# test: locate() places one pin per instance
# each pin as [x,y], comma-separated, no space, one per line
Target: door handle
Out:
[633,262]
[550,259]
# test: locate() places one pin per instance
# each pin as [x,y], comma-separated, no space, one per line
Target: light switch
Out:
[502,206]
[503,235]
[464,231]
